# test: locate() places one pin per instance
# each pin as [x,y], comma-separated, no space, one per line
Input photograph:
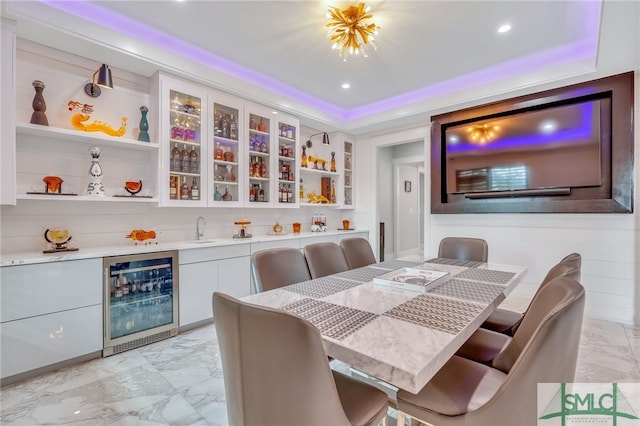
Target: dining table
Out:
[395,333]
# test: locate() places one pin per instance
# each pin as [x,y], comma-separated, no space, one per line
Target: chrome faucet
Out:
[200,234]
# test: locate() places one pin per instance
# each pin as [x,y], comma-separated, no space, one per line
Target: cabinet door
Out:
[347,195]
[8,117]
[227,165]
[182,109]
[198,281]
[259,143]
[286,186]
[234,276]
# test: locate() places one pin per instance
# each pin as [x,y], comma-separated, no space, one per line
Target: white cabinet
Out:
[51,312]
[288,154]
[205,270]
[181,108]
[347,193]
[8,116]
[227,165]
[259,141]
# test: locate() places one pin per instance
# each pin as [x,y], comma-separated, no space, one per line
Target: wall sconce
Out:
[104,80]
[325,139]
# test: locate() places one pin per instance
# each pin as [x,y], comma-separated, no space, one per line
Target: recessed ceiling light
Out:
[346,85]
[504,28]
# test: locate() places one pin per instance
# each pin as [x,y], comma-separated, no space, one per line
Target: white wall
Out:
[408,222]
[107,223]
[609,243]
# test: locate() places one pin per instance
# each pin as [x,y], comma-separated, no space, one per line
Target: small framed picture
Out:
[407,186]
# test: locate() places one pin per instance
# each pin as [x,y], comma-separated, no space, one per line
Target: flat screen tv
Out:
[565,150]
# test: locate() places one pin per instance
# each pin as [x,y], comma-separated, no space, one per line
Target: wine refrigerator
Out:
[140,300]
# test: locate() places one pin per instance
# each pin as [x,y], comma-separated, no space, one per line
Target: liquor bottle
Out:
[184,189]
[252,193]
[261,195]
[217,196]
[333,192]
[301,190]
[289,194]
[173,187]
[217,116]
[281,195]
[176,158]
[263,168]
[261,126]
[303,160]
[333,162]
[226,196]
[195,191]
[225,126]
[347,162]
[290,132]
[193,160]
[263,145]
[218,154]
[233,128]
[186,163]
[252,123]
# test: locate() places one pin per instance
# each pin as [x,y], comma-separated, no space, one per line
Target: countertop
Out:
[33,257]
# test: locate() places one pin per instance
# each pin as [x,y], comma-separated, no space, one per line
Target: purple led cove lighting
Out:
[129,27]
[587,48]
[573,135]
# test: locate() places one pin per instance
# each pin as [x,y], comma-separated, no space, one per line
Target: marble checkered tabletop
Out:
[399,336]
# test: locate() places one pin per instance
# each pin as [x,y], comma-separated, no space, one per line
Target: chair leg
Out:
[401,418]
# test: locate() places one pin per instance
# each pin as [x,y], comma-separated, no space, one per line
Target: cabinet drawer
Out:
[31,290]
[319,239]
[265,245]
[40,341]
[212,253]
[364,235]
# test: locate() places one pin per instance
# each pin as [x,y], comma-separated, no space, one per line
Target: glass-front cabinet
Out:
[183,142]
[227,165]
[347,178]
[260,158]
[140,300]
[288,134]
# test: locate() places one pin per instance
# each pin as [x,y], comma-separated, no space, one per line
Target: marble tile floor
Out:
[179,382]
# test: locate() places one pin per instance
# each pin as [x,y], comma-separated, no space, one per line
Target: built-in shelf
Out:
[319,171]
[89,138]
[108,198]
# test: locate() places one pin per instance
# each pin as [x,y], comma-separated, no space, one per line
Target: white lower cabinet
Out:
[205,270]
[51,312]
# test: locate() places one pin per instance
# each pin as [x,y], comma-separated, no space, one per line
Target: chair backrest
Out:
[278,267]
[325,259]
[544,350]
[358,252]
[473,249]
[275,367]
[569,266]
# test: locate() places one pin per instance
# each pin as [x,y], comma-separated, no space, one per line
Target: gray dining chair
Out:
[506,321]
[325,259]
[357,252]
[473,249]
[543,350]
[276,371]
[278,267]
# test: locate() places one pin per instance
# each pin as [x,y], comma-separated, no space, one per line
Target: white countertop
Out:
[32,257]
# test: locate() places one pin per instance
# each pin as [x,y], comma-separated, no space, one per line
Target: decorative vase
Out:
[38,104]
[144,125]
[95,186]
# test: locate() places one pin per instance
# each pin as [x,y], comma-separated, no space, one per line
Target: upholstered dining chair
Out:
[325,259]
[544,350]
[506,321]
[358,252]
[278,267]
[276,371]
[473,249]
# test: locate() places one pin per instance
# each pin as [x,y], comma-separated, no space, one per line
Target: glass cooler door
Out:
[141,300]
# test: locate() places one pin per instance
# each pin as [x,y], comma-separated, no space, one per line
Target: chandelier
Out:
[483,133]
[350,29]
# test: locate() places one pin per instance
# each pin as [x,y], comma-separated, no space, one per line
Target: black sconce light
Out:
[104,80]
[325,139]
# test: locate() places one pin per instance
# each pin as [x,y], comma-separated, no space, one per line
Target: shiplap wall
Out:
[609,243]
[105,223]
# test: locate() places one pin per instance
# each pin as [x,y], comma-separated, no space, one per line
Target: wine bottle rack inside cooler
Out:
[140,300]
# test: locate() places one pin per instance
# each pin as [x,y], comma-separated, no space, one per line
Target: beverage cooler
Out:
[140,300]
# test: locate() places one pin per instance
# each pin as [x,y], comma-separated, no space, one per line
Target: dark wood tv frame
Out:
[615,193]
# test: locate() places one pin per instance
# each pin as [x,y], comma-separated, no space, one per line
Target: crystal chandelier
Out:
[350,29]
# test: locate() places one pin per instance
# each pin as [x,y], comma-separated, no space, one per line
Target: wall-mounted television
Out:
[564,150]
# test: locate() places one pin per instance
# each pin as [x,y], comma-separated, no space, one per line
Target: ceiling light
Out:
[346,85]
[482,134]
[504,28]
[350,29]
